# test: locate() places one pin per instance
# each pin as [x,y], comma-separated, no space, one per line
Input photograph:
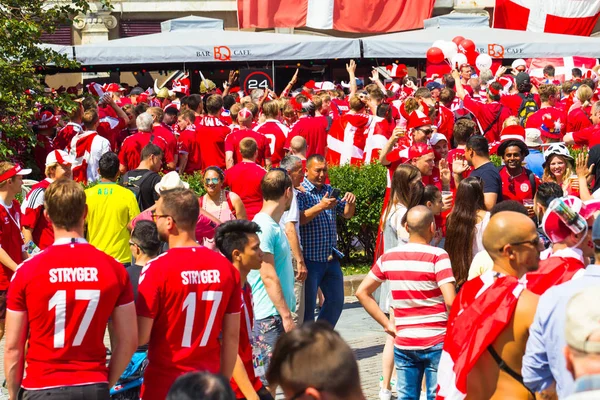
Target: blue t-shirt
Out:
[272,240]
[534,162]
[492,183]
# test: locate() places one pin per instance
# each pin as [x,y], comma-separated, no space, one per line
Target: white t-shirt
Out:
[292,215]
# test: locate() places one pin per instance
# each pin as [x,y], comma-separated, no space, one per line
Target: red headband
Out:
[10,173]
[493,91]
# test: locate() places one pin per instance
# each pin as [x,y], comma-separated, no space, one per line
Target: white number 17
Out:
[189,306]
[59,303]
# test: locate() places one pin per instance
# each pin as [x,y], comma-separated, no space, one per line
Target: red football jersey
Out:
[130,155]
[169,138]
[514,101]
[232,143]
[11,239]
[517,188]
[43,147]
[578,119]
[245,347]
[535,119]
[244,180]
[190,145]
[63,138]
[69,292]
[314,130]
[211,134]
[187,292]
[33,215]
[277,133]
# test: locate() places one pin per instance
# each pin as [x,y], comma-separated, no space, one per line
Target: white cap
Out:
[519,62]
[437,137]
[170,181]
[58,157]
[583,320]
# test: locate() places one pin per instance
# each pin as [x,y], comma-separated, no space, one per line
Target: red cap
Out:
[46,120]
[113,87]
[418,150]
[513,132]
[244,113]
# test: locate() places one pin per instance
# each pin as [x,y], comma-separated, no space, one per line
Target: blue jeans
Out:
[327,276]
[411,365]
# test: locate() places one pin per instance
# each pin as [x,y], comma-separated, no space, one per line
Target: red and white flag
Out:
[363,16]
[563,67]
[481,311]
[569,17]
[346,139]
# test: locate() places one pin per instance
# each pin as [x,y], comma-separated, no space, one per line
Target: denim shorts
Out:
[411,366]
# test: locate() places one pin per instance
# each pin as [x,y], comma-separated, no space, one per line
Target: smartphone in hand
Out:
[335,193]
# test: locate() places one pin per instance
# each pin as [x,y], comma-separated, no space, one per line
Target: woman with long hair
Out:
[465,226]
[578,115]
[406,192]
[558,168]
[222,204]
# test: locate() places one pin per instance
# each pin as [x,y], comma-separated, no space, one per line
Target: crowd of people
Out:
[476,263]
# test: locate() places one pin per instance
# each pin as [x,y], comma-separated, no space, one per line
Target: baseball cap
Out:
[58,157]
[583,319]
[136,91]
[418,150]
[170,181]
[523,79]
[437,137]
[519,62]
[16,170]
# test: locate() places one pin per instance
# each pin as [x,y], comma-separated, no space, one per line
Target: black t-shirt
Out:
[148,195]
[492,183]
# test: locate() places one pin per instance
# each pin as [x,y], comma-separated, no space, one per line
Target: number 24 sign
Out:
[256,79]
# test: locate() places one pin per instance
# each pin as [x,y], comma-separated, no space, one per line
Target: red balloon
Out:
[458,40]
[435,55]
[466,46]
[472,57]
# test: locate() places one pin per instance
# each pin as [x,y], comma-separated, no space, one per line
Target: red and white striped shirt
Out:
[416,272]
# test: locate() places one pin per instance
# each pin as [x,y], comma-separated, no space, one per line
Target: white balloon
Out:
[439,44]
[459,59]
[483,62]
[450,49]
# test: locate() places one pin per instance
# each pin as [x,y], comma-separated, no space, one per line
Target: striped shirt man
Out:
[416,272]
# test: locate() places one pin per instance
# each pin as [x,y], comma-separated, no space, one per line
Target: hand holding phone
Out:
[335,193]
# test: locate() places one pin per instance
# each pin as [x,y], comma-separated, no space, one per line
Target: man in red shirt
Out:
[211,133]
[491,115]
[589,136]
[45,129]
[161,131]
[36,227]
[59,304]
[244,178]
[63,138]
[463,130]
[12,251]
[129,157]
[313,129]
[232,141]
[275,131]
[189,301]
[518,183]
[238,241]
[525,90]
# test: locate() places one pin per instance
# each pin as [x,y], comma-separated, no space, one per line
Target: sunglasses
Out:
[534,242]
[214,181]
[426,131]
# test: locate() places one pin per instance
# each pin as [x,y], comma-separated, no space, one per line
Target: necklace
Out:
[221,201]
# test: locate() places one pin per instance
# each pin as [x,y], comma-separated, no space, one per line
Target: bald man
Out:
[422,286]
[298,147]
[488,327]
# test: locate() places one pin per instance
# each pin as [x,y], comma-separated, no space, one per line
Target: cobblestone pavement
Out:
[363,334]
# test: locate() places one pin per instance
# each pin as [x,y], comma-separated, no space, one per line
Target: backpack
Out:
[528,106]
[136,185]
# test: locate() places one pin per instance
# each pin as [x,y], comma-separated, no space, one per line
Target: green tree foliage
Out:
[23,61]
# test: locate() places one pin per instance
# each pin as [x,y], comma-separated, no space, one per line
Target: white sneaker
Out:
[385,394]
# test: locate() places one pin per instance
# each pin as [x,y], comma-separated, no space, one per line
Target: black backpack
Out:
[135,185]
[527,108]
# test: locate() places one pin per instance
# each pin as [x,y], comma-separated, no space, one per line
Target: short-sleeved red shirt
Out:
[486,114]
[130,155]
[535,119]
[232,143]
[11,239]
[33,215]
[110,125]
[514,101]
[588,137]
[518,188]
[578,120]
[244,180]
[210,135]
[245,347]
[277,133]
[169,138]
[187,292]
[69,292]
[314,131]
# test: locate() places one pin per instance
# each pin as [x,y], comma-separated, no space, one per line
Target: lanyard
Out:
[16,221]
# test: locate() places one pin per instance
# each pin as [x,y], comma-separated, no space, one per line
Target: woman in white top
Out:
[464,225]
[406,192]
